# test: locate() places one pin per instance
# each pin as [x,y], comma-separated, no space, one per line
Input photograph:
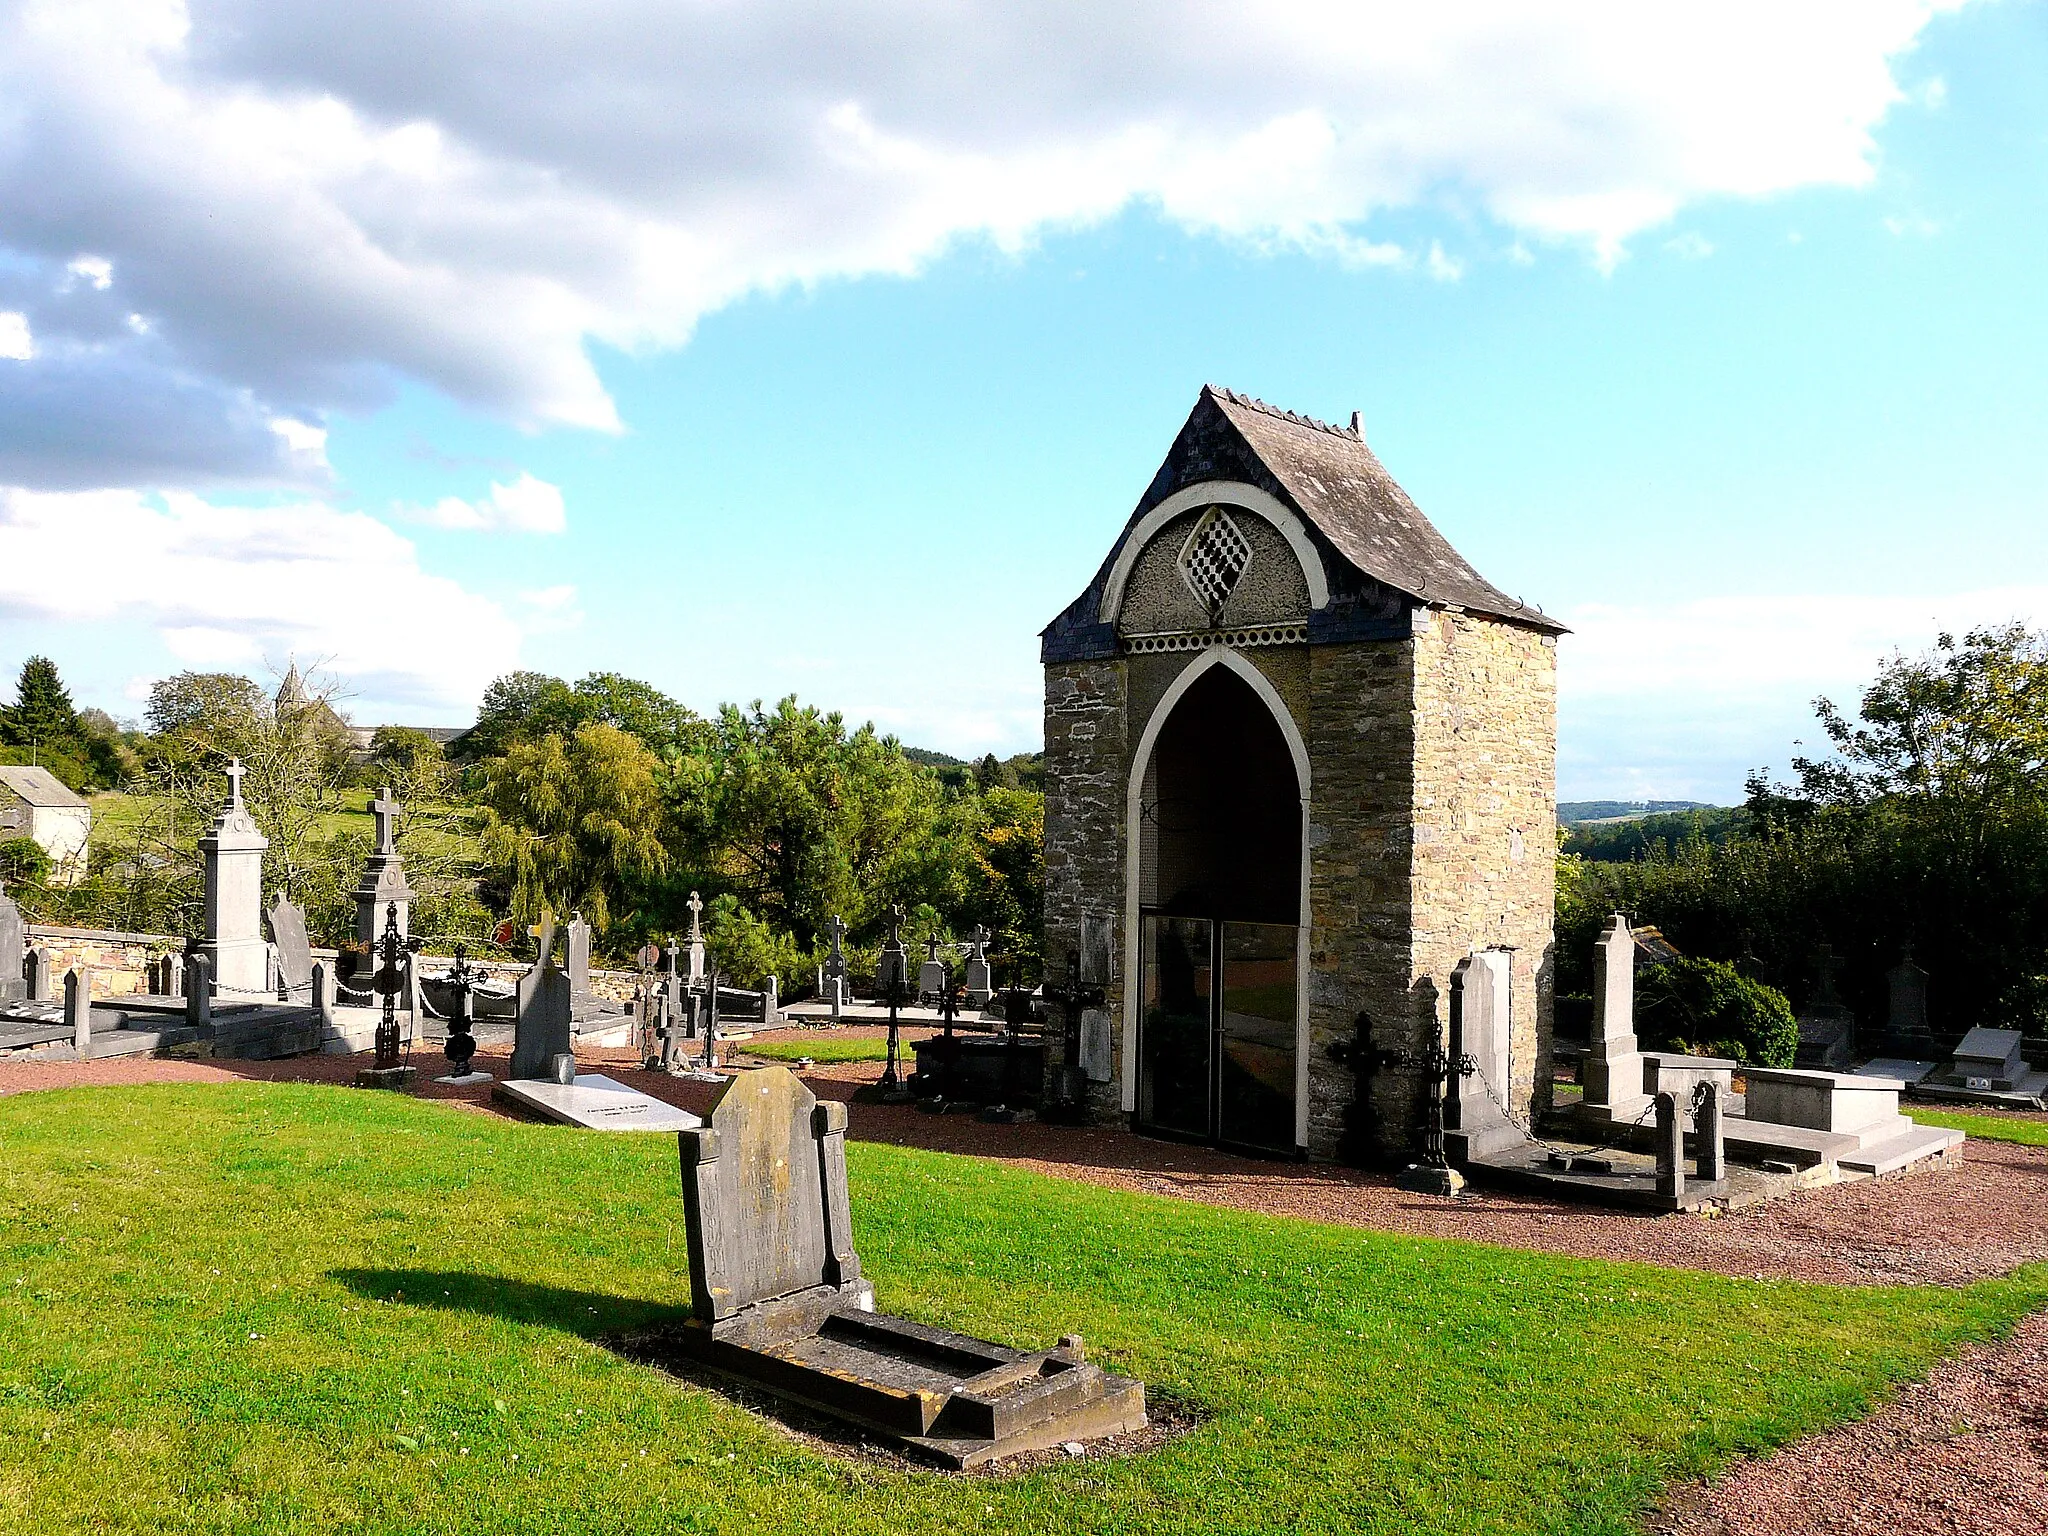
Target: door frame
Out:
[1134,792]
[1219,996]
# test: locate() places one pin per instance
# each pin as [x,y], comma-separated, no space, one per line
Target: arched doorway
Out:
[1219,915]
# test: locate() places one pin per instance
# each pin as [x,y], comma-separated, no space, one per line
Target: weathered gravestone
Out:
[980,981]
[543,1027]
[1827,1029]
[13,941]
[1475,1124]
[1906,1023]
[294,949]
[779,1301]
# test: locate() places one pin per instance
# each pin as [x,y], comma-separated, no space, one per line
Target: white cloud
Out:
[1691,246]
[16,344]
[312,203]
[526,505]
[236,586]
[1445,269]
[96,270]
[1686,697]
[1911,226]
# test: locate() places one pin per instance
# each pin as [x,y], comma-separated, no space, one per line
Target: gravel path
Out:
[1982,1216]
[1964,1451]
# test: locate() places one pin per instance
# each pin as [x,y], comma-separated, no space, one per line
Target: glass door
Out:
[1255,1036]
[1175,1009]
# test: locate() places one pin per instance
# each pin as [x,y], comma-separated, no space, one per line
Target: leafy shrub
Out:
[23,861]
[1711,1009]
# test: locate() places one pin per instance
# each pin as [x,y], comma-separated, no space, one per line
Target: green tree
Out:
[643,710]
[42,715]
[575,822]
[802,820]
[216,709]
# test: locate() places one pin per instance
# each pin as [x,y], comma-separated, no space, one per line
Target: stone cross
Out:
[386,809]
[696,972]
[932,946]
[837,928]
[235,772]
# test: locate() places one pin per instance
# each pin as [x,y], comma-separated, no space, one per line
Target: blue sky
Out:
[1746,440]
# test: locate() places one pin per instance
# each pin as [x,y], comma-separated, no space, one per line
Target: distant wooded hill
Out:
[1634,835]
[1571,812]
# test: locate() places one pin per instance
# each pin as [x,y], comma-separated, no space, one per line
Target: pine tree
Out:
[42,714]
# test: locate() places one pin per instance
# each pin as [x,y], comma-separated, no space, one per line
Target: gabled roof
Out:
[1341,487]
[38,786]
[1353,508]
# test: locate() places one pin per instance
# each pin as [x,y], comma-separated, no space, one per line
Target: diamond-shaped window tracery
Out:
[1214,558]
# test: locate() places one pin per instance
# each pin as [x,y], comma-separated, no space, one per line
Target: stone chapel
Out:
[1300,761]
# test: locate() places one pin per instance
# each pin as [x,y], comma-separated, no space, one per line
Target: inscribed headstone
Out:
[766,1206]
[542,1029]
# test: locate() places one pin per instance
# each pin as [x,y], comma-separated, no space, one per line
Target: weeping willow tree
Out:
[575,822]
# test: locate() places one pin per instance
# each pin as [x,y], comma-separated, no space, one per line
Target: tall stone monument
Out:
[383,884]
[237,958]
[1612,1071]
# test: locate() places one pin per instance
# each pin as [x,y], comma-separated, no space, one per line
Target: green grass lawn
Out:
[823,1050]
[2028,1133]
[280,1307]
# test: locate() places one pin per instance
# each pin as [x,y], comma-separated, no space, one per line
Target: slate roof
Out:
[1341,487]
[37,786]
[1354,509]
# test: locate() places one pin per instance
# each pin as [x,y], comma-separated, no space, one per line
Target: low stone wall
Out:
[119,962]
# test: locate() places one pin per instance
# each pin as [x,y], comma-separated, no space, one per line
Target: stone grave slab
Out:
[596,1103]
[779,1301]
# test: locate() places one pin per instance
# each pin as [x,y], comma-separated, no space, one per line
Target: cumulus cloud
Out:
[1684,698]
[306,204]
[526,505]
[16,344]
[229,586]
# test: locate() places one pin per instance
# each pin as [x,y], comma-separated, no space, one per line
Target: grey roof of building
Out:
[38,786]
[1354,509]
[1342,488]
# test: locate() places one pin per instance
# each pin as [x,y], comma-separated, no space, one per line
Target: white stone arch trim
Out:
[1134,791]
[1228,493]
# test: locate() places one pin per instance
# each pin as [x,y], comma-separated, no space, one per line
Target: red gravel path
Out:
[1982,1216]
[1964,1451]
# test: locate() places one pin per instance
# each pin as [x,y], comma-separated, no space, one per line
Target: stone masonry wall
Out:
[1087,752]
[1485,870]
[1361,735]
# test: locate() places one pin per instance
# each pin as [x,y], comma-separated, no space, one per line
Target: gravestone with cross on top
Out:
[383,885]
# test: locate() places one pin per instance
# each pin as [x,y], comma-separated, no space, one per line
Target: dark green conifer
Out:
[42,714]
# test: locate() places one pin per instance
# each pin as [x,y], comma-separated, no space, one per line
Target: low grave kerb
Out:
[779,1300]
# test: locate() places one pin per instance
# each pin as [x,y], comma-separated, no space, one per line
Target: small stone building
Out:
[1300,760]
[35,804]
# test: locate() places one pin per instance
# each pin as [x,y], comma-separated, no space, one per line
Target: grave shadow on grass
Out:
[643,1332]
[589,1315]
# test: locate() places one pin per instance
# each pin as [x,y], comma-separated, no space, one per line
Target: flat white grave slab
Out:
[598,1103]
